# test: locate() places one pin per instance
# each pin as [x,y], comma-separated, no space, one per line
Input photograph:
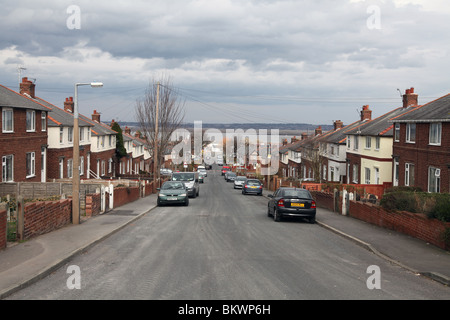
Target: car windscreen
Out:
[300,194]
[253,182]
[241,178]
[172,186]
[183,177]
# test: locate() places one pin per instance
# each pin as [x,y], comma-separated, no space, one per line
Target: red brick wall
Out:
[3,228]
[103,156]
[53,156]
[323,200]
[21,142]
[93,204]
[424,155]
[415,225]
[124,195]
[46,216]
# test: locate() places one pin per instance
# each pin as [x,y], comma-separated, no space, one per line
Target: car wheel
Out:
[312,220]
[186,203]
[276,216]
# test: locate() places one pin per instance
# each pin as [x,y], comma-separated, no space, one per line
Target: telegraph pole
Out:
[155,149]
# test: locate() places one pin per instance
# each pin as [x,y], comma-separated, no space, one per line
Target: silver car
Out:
[239,182]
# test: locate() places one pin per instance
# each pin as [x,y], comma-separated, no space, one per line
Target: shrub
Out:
[399,200]
[441,210]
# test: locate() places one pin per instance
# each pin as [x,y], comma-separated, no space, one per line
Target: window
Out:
[30,165]
[397,132]
[70,134]
[110,165]
[348,142]
[81,166]
[409,174]
[110,140]
[356,145]
[69,168]
[377,143]
[103,167]
[396,172]
[61,135]
[81,134]
[31,120]
[7,120]
[355,173]
[367,175]
[43,121]
[435,133]
[411,132]
[61,168]
[368,142]
[7,168]
[434,179]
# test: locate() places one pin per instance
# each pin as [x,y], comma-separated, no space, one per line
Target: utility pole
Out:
[155,149]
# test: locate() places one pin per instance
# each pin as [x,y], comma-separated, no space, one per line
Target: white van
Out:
[191,181]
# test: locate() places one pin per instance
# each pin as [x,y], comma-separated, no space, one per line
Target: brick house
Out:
[369,146]
[102,161]
[23,135]
[60,142]
[421,147]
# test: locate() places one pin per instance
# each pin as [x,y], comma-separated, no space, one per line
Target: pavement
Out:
[26,263]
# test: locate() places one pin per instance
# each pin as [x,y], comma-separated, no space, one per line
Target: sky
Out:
[231,61]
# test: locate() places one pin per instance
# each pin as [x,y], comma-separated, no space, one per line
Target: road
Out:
[224,247]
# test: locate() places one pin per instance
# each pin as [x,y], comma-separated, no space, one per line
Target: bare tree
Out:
[157,121]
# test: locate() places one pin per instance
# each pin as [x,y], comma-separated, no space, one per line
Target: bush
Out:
[435,205]
[441,210]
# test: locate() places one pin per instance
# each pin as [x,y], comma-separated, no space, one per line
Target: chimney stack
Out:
[27,87]
[69,104]
[318,131]
[294,139]
[137,134]
[127,130]
[366,113]
[338,124]
[304,136]
[410,99]
[96,116]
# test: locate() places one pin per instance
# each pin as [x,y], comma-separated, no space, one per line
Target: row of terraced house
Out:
[36,141]
[408,146]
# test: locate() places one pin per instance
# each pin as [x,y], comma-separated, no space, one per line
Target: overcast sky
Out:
[246,61]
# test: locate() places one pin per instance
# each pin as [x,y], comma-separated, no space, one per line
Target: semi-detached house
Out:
[421,147]
[23,135]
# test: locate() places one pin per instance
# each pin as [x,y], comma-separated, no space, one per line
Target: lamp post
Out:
[76,155]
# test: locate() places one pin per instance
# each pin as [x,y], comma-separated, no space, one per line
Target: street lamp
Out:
[76,155]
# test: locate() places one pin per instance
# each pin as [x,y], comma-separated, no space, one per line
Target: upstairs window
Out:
[7,120]
[397,132]
[411,132]
[368,142]
[43,121]
[31,120]
[435,133]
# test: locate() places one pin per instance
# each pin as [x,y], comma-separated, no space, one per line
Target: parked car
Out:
[191,180]
[291,202]
[239,182]
[165,172]
[230,176]
[173,192]
[225,169]
[202,171]
[252,186]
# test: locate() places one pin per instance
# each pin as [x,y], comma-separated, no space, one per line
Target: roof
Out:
[339,136]
[12,99]
[60,117]
[99,129]
[434,111]
[381,126]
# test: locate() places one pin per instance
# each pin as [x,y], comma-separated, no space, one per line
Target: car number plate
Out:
[253,187]
[172,198]
[299,205]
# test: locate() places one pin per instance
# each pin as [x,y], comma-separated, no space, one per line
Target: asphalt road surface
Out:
[223,246]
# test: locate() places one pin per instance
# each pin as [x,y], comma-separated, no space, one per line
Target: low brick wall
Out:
[3,228]
[124,195]
[323,199]
[46,216]
[413,224]
[93,204]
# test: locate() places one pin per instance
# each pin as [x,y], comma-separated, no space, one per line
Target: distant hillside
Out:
[285,128]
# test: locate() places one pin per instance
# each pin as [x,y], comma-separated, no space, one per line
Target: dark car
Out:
[225,169]
[230,176]
[252,186]
[173,192]
[291,202]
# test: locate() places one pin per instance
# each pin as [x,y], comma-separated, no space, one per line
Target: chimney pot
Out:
[410,99]
[69,105]
[27,87]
